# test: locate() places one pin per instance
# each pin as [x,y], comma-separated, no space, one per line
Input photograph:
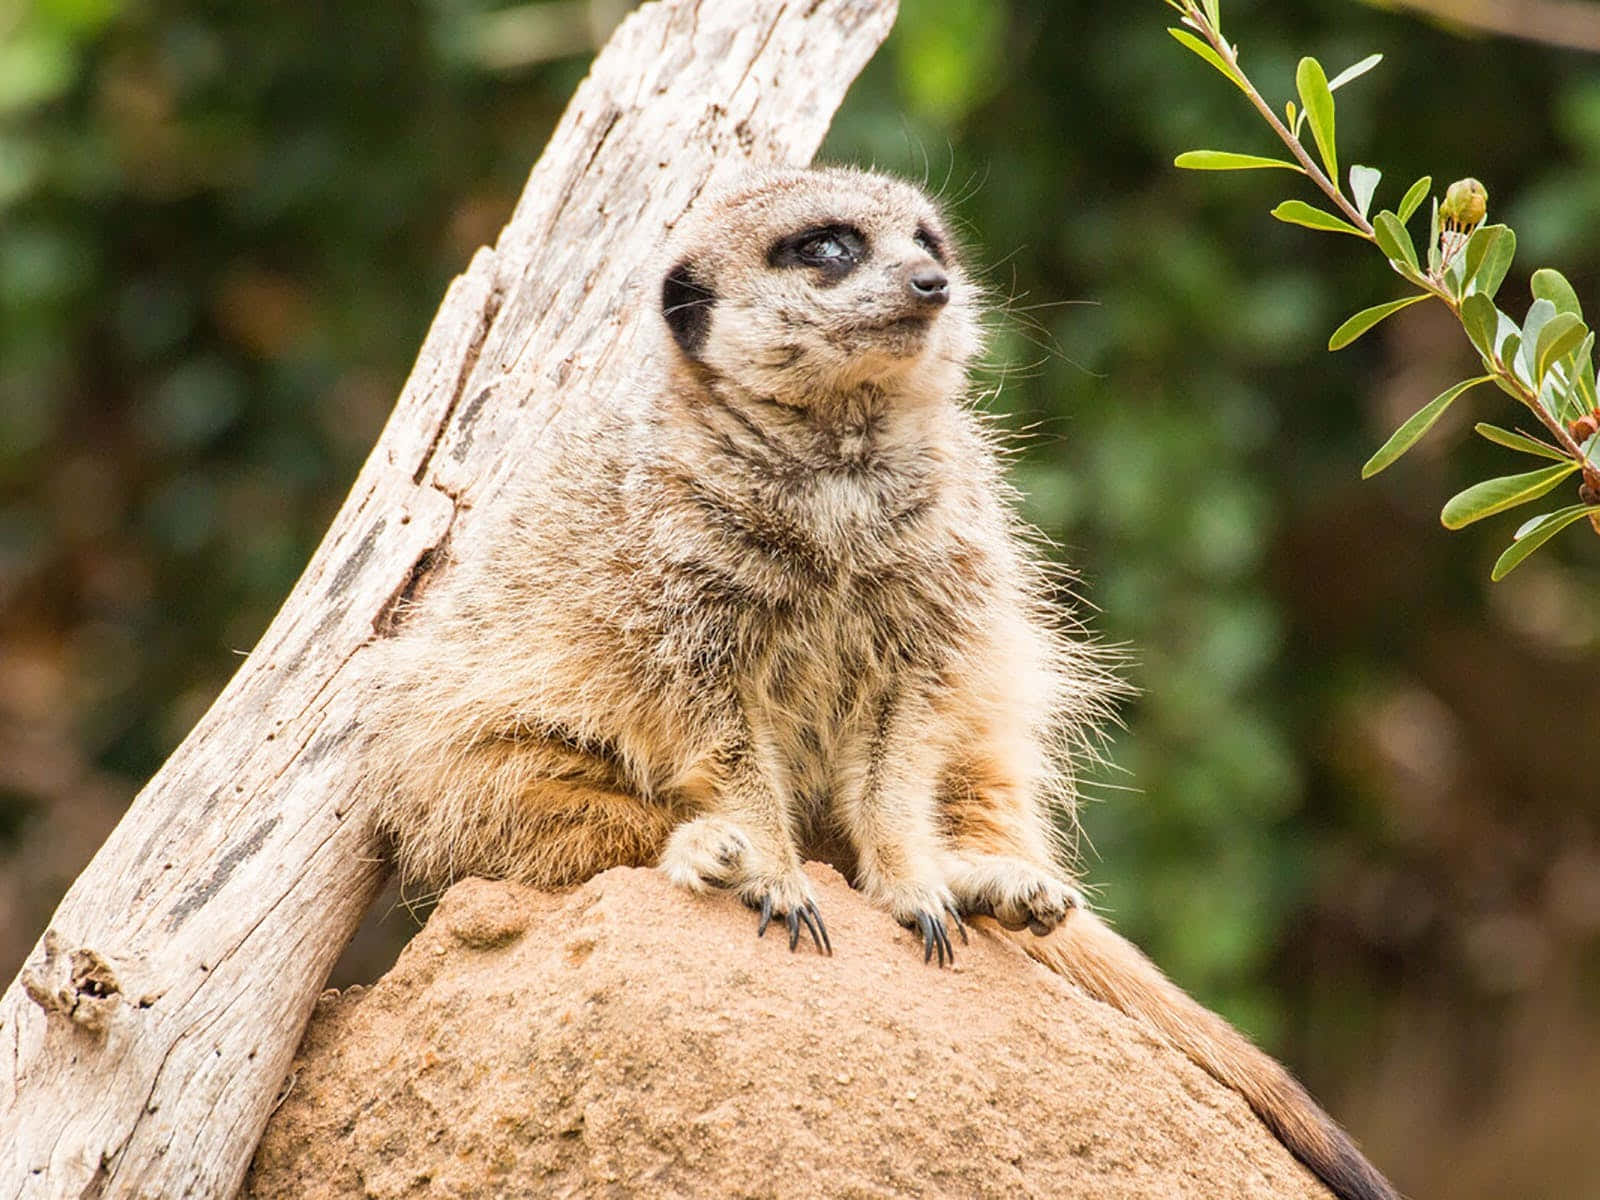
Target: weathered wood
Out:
[150,1030]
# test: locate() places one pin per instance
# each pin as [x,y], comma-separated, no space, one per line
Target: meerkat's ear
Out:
[686,304]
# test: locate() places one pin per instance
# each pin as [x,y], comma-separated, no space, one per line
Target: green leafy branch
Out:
[1546,363]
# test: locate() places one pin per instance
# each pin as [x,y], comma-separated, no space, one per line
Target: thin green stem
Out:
[1197,20]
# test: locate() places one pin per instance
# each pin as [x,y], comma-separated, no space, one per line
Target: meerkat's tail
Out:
[1110,968]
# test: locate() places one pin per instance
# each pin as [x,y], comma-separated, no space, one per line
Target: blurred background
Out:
[1355,807]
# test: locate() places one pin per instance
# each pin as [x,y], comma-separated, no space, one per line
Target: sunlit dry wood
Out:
[150,1030]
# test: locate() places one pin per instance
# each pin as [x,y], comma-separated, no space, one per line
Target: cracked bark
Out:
[149,1033]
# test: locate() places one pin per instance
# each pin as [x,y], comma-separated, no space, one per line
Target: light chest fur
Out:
[824,567]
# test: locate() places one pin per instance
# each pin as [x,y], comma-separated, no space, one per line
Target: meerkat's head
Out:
[801,284]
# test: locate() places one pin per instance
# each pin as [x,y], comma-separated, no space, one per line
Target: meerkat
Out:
[776,604]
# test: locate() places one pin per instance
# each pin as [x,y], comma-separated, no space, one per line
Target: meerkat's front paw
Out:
[925,909]
[789,896]
[714,852]
[1014,892]
[705,853]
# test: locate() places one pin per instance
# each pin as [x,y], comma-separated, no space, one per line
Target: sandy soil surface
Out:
[628,1039]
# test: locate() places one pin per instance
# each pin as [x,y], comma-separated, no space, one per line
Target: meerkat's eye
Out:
[823,249]
[925,238]
[835,250]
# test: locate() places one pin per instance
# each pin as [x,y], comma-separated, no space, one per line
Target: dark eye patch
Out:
[686,303]
[834,250]
[930,242]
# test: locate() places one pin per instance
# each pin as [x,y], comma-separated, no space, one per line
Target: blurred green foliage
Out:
[1351,807]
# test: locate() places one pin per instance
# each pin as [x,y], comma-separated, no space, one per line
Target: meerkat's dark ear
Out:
[686,304]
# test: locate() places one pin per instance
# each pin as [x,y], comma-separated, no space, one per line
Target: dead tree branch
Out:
[151,1028]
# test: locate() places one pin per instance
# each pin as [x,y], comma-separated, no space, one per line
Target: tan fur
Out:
[773,605]
[1109,968]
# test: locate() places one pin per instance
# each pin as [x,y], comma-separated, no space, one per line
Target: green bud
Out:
[1465,204]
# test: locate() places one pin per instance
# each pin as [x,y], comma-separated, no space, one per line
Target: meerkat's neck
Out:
[840,428]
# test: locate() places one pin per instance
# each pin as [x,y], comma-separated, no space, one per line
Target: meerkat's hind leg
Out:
[714,852]
[1015,892]
[1000,858]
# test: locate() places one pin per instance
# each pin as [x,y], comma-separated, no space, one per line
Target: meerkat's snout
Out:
[927,284]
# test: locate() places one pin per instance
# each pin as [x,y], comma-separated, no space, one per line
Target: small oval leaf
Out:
[1535,534]
[1496,263]
[1528,525]
[1366,319]
[1539,314]
[1226,160]
[1479,243]
[1393,239]
[1363,182]
[1420,422]
[1496,495]
[1518,441]
[1415,195]
[1188,40]
[1298,212]
[1311,81]
[1550,284]
[1354,72]
[1481,319]
[1561,335]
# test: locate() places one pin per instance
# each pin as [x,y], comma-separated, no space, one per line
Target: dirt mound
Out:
[629,1039]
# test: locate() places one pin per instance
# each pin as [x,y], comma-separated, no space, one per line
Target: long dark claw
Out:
[827,945]
[813,919]
[809,926]
[766,914]
[935,937]
[961,926]
[792,920]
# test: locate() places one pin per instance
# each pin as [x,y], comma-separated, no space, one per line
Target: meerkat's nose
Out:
[927,284]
